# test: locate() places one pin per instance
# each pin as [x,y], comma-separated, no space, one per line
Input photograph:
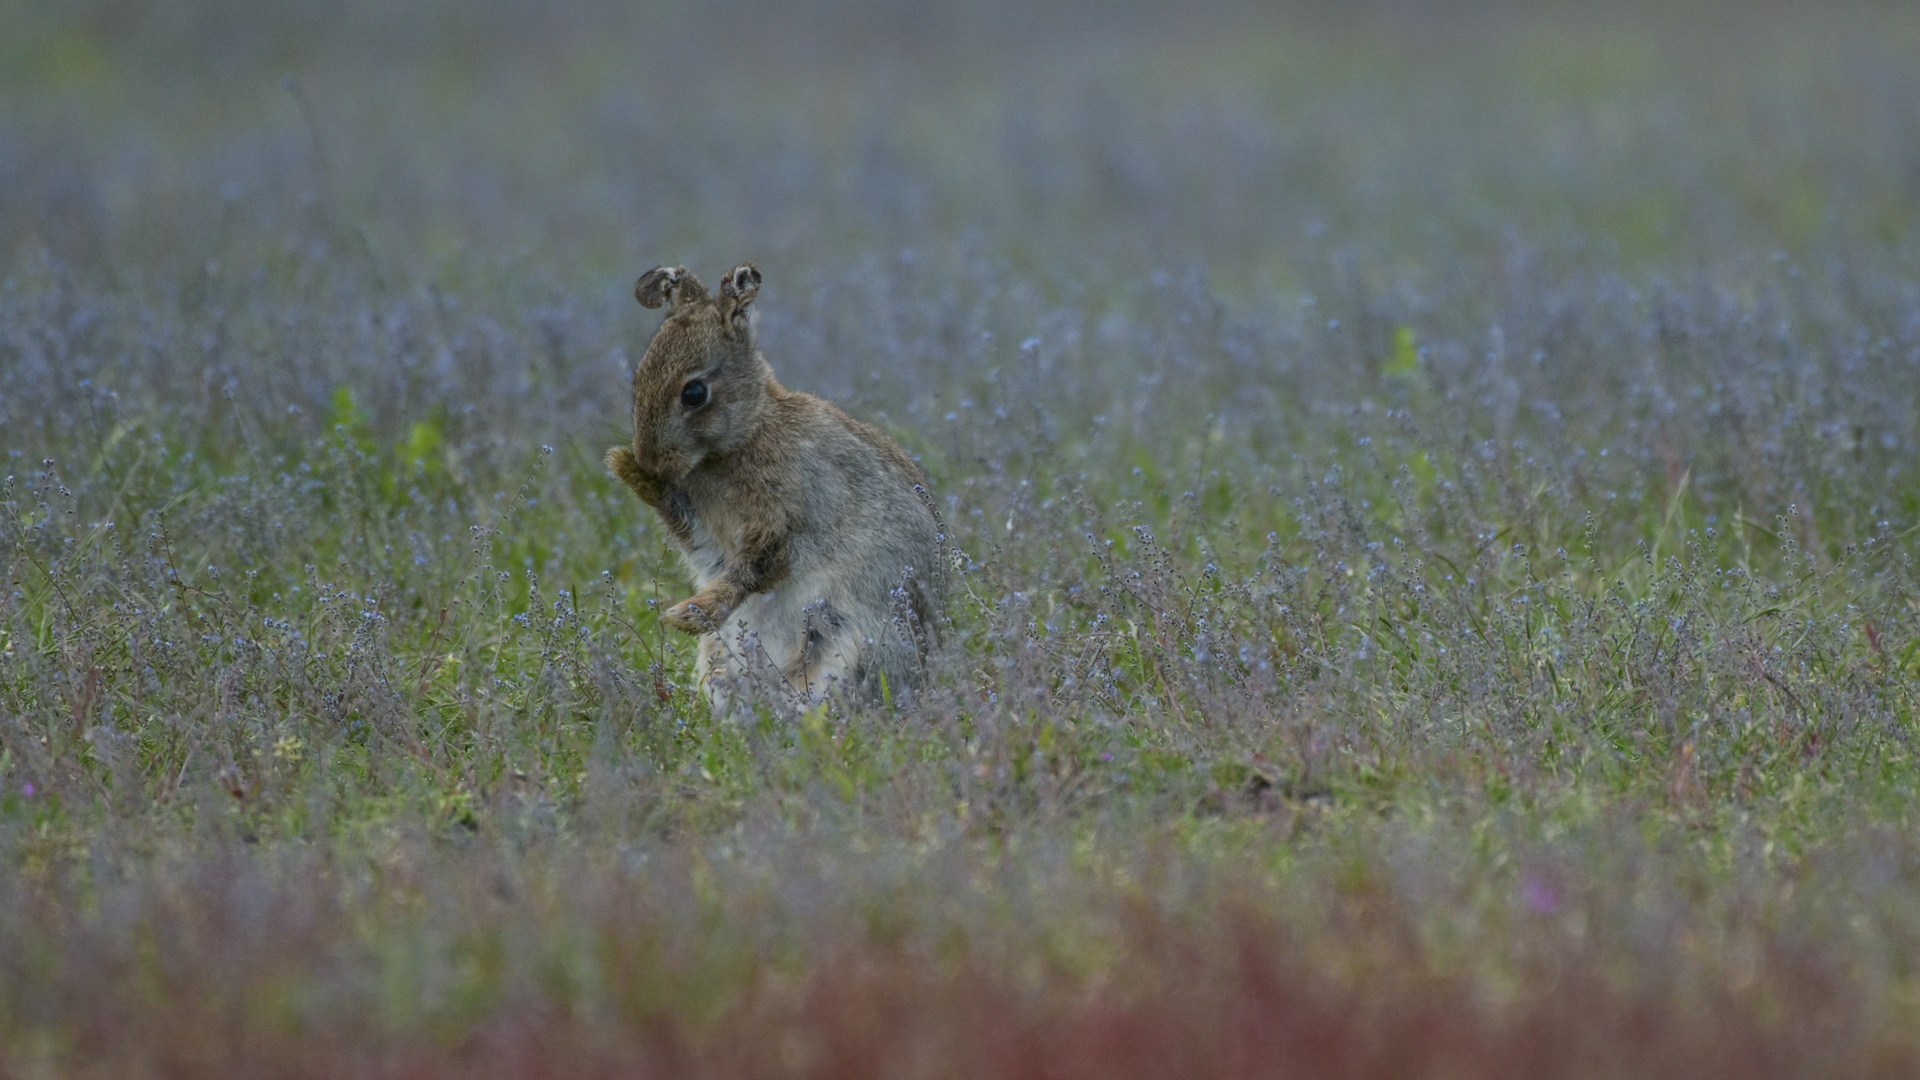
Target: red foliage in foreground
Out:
[864,1021]
[1221,1003]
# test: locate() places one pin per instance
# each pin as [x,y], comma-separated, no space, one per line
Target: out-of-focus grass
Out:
[1437,484]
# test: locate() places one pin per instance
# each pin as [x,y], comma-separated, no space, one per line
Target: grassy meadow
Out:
[1437,488]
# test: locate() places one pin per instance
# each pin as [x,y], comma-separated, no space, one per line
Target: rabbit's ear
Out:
[669,287]
[739,287]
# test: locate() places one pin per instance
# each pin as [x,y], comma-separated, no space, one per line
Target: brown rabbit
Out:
[811,544]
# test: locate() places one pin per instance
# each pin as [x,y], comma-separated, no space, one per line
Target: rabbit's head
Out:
[701,388]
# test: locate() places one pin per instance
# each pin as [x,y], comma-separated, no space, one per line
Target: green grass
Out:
[1437,492]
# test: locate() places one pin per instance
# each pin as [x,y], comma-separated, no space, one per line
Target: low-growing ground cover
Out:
[1435,495]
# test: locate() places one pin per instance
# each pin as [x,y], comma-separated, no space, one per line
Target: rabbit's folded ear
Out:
[669,287]
[739,287]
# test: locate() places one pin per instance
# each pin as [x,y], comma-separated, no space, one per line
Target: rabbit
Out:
[813,545]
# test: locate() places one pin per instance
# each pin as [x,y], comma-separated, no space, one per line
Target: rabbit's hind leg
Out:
[735,671]
[829,654]
[716,673]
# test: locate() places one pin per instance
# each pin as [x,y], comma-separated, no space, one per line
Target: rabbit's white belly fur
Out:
[704,556]
[766,639]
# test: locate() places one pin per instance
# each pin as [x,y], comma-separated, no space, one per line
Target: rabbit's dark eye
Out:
[694,394]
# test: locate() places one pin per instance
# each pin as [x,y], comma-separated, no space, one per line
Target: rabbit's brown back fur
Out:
[813,552]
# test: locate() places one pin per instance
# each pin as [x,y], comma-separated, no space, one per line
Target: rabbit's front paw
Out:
[623,465]
[700,615]
[627,469]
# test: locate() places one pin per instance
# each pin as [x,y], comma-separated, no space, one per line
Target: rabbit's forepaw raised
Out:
[699,615]
[624,466]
